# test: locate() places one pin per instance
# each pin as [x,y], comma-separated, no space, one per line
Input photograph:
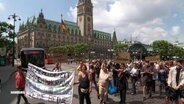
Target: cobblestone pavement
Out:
[9,85]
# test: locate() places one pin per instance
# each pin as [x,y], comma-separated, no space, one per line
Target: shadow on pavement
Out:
[40,103]
[111,101]
[8,86]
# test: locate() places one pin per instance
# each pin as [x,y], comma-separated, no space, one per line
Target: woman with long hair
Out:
[85,85]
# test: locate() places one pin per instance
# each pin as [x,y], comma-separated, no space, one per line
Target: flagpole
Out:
[61,17]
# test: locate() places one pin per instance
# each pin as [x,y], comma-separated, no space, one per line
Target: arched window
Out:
[79,32]
[76,32]
[72,32]
[54,28]
[59,29]
[50,27]
[68,30]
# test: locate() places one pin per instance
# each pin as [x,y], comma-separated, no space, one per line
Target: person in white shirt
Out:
[176,81]
[134,76]
[103,82]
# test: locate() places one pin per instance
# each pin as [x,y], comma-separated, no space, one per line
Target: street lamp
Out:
[14,17]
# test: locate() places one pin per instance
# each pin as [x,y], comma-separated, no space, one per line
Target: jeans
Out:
[133,81]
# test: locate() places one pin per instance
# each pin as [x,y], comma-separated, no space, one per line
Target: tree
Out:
[80,48]
[75,49]
[166,49]
[6,28]
[6,31]
[161,47]
[120,47]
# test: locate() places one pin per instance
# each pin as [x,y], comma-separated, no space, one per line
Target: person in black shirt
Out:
[85,85]
[122,84]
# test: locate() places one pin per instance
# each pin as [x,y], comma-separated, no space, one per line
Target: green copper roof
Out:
[102,35]
[32,20]
[72,26]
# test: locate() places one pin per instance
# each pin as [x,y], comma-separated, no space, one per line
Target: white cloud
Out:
[73,13]
[144,19]
[2,7]
[175,30]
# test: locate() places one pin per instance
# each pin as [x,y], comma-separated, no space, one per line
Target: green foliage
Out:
[166,49]
[6,43]
[120,47]
[75,49]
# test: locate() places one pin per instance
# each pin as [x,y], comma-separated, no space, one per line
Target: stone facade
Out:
[43,33]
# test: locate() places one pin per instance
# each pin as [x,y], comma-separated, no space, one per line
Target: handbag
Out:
[112,89]
[84,90]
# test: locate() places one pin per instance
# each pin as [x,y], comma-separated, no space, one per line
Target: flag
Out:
[63,26]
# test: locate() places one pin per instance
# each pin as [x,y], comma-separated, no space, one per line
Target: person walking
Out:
[93,75]
[57,67]
[134,76]
[20,84]
[162,77]
[103,82]
[146,74]
[122,84]
[85,85]
[176,82]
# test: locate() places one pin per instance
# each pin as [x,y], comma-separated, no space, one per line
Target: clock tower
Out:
[85,17]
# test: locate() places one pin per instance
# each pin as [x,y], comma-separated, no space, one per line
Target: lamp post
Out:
[14,17]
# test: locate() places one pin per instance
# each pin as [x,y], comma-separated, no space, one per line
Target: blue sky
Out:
[52,9]
[144,20]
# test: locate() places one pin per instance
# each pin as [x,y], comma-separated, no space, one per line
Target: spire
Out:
[41,17]
[114,38]
[41,14]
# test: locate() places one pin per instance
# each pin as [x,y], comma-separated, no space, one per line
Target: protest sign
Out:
[152,58]
[49,86]
[123,57]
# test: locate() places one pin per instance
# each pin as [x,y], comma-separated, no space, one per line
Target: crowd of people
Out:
[168,74]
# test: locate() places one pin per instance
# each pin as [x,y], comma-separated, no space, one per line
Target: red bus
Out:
[49,59]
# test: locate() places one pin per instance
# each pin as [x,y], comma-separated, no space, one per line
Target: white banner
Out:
[49,86]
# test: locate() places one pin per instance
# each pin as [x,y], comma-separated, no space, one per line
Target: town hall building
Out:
[39,32]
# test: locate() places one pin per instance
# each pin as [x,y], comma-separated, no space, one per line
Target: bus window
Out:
[33,56]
